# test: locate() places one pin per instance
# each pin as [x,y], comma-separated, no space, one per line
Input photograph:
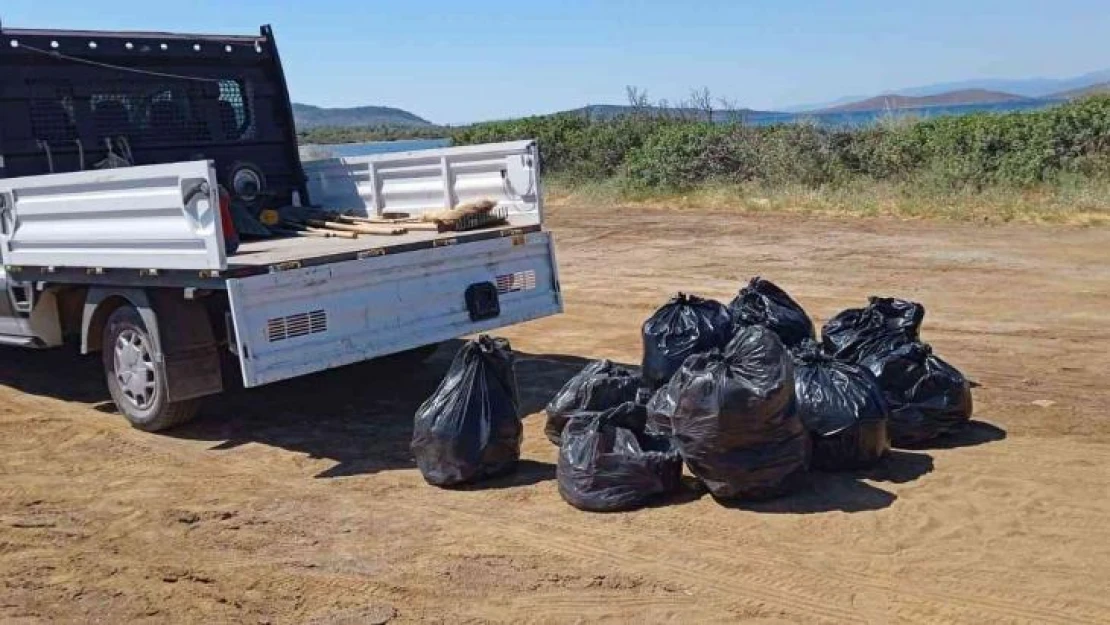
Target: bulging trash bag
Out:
[927,396]
[884,324]
[470,428]
[733,418]
[763,303]
[842,407]
[686,325]
[600,385]
[607,462]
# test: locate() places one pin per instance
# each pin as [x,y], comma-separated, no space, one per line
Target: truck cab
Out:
[135,171]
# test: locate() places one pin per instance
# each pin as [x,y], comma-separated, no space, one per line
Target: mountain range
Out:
[990,91]
[1034,88]
[307,116]
[948,98]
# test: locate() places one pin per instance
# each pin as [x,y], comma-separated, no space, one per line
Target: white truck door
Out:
[151,217]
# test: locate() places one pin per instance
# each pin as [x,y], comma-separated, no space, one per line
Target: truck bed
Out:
[314,250]
[153,220]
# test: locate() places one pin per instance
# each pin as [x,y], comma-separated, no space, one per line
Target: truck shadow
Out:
[358,416]
[59,373]
[361,416]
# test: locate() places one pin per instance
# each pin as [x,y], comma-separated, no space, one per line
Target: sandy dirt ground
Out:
[300,502]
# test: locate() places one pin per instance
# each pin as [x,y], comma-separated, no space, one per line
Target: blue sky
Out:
[455,61]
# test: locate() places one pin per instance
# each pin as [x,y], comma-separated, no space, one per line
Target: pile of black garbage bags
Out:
[745,396]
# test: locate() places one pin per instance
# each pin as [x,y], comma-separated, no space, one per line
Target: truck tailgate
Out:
[300,321]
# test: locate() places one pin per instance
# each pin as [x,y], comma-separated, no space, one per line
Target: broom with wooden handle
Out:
[294,229]
[407,224]
[356,228]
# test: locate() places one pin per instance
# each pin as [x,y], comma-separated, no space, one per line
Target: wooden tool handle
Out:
[308,231]
[356,228]
[338,234]
[377,223]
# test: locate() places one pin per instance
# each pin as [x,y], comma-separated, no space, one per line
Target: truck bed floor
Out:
[275,251]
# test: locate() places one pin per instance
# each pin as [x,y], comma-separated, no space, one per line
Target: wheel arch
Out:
[101,302]
[188,350]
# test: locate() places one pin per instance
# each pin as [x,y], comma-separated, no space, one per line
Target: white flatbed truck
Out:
[133,261]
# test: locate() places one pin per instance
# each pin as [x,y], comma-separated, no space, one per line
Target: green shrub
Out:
[949,153]
[676,155]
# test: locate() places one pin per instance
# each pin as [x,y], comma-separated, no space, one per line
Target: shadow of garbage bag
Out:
[971,434]
[470,428]
[608,463]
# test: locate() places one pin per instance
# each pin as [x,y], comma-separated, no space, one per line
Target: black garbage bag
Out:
[842,407]
[661,407]
[607,462]
[763,303]
[733,418]
[927,396]
[470,428]
[686,325]
[880,327]
[600,385]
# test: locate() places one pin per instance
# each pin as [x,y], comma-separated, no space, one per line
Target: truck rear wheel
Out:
[136,377]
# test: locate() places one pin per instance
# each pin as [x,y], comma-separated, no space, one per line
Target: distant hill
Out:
[308,116]
[1080,93]
[951,98]
[1028,87]
[611,111]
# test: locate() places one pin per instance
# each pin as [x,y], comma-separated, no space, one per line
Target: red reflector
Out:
[231,235]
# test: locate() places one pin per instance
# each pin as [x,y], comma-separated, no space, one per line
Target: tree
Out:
[638,99]
[702,100]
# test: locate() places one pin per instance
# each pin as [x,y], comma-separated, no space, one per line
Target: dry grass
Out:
[1080,202]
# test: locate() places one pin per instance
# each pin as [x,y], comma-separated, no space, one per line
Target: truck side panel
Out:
[431,180]
[301,321]
[152,217]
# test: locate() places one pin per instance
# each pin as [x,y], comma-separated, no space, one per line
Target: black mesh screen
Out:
[144,112]
[63,115]
[52,117]
[235,119]
[111,115]
[149,112]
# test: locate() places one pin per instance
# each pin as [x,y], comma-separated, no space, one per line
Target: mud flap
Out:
[188,345]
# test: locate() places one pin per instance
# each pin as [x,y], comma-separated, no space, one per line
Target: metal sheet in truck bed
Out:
[308,251]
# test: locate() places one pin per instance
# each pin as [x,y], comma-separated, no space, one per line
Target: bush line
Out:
[965,153]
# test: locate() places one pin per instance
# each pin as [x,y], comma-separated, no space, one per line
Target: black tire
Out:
[137,380]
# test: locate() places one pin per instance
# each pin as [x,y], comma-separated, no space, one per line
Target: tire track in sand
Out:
[784,586]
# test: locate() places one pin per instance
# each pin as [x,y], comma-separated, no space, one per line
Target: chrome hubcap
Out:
[134,369]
